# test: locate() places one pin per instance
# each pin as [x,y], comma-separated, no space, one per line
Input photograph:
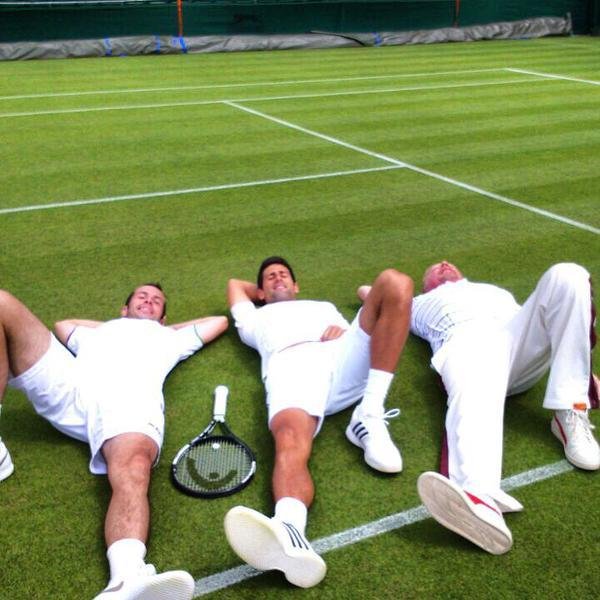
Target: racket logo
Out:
[214,481]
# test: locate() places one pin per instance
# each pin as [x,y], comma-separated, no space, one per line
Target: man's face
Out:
[147,302]
[277,285]
[440,273]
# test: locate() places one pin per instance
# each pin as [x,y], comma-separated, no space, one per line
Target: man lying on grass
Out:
[104,387]
[485,347]
[314,364]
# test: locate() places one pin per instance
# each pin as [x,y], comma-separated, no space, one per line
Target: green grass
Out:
[523,137]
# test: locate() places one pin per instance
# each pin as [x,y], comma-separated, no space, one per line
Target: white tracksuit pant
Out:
[551,330]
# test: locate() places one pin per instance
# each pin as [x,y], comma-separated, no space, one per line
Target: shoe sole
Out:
[556,430]
[451,508]
[252,537]
[174,585]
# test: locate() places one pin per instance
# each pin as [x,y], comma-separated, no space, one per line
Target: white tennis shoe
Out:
[573,428]
[148,585]
[370,432]
[270,543]
[479,521]
[6,464]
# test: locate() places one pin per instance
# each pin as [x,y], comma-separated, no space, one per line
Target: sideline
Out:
[426,172]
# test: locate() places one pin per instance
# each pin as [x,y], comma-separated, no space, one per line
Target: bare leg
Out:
[386,318]
[129,457]
[293,430]
[24,339]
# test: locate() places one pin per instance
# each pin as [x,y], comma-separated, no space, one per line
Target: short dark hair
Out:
[153,284]
[273,260]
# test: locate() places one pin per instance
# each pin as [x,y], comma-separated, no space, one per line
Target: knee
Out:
[130,473]
[569,276]
[396,284]
[7,300]
[290,441]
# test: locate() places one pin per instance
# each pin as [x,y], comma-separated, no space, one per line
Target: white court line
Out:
[214,86]
[219,581]
[455,182]
[210,188]
[553,76]
[418,88]
[321,136]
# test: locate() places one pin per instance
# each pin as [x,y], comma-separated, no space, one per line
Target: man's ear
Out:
[260,294]
[124,311]
[163,320]
[296,288]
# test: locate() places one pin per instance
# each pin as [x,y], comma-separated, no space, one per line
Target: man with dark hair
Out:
[314,363]
[105,388]
[485,347]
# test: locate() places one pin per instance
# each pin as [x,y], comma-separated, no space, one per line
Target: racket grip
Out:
[221,393]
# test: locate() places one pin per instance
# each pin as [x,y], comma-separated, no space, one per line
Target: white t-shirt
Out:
[279,325]
[123,363]
[457,305]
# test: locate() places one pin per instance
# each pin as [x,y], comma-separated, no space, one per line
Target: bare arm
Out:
[63,329]
[239,290]
[208,328]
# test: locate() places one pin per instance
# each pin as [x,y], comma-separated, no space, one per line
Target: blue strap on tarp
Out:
[108,46]
[180,41]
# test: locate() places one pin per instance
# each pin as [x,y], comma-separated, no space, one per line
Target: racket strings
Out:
[215,465]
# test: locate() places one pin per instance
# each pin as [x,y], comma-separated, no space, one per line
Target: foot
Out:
[480,521]
[6,463]
[573,428]
[148,585]
[269,543]
[370,432]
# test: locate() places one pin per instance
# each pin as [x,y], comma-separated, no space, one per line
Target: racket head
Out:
[213,466]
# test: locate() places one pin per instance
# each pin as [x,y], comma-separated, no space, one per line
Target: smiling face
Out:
[440,273]
[146,302]
[277,284]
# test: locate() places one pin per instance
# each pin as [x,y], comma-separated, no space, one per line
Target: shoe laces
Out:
[383,417]
[390,414]
[580,421]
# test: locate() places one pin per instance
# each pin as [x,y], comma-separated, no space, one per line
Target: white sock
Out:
[125,556]
[378,384]
[293,511]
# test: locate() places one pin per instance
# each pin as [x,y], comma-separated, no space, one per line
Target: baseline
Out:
[213,86]
[219,581]
[416,88]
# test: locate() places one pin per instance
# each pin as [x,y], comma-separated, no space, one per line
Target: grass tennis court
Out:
[189,170]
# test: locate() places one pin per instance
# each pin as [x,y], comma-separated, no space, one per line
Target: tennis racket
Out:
[214,465]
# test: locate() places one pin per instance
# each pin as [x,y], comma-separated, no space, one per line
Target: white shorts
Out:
[51,387]
[321,378]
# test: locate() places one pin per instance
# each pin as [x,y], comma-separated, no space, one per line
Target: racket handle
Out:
[221,393]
